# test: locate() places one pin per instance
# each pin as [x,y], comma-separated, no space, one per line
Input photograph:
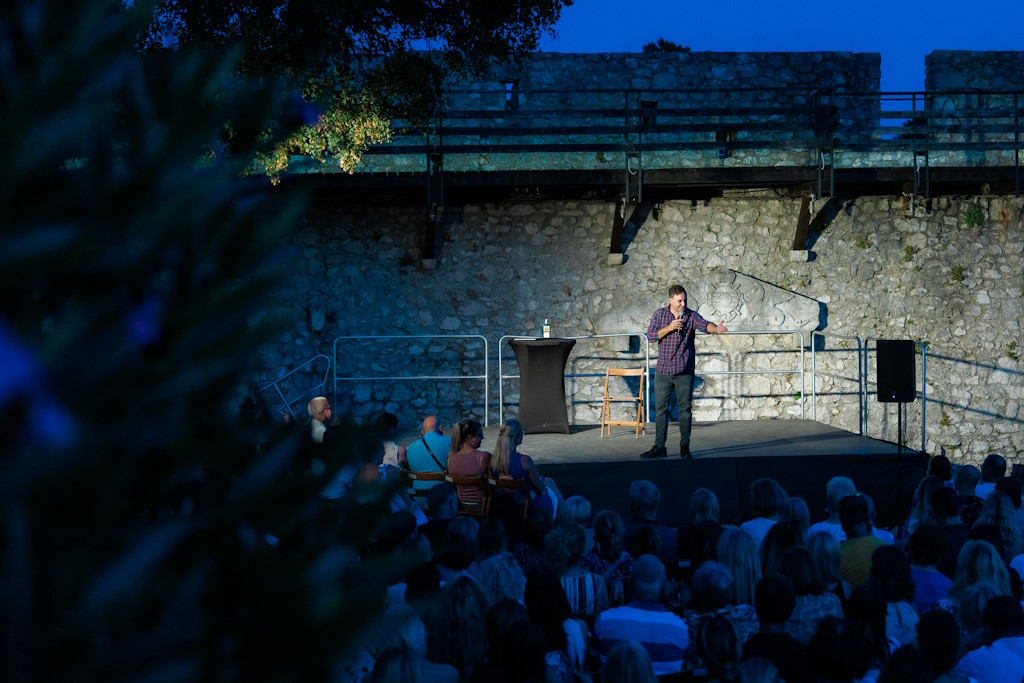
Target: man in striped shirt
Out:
[645,620]
[673,328]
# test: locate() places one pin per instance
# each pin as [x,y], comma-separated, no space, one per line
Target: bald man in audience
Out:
[429,452]
[319,414]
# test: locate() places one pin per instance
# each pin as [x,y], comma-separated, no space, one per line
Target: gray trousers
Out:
[664,385]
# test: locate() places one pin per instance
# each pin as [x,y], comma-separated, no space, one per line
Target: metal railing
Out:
[859,379]
[364,338]
[315,390]
[922,393]
[717,120]
[801,370]
[502,376]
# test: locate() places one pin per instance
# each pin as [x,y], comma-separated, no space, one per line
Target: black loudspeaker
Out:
[895,378]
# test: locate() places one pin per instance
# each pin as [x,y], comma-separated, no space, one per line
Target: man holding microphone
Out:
[673,328]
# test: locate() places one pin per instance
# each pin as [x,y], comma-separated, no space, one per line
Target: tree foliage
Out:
[663,46]
[359,61]
[136,510]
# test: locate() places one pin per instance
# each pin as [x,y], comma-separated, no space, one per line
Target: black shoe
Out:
[655,452]
[684,452]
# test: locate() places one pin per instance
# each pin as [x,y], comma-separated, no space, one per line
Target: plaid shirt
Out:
[675,350]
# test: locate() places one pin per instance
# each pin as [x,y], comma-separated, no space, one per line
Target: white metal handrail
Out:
[502,377]
[483,376]
[313,391]
[861,396]
[784,371]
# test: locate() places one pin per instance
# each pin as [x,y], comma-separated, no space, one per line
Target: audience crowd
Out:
[528,586]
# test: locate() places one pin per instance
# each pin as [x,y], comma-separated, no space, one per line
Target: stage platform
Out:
[801,455]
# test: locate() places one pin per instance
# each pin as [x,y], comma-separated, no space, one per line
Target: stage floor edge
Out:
[802,455]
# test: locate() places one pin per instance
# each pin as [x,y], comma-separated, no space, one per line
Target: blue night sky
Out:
[901,31]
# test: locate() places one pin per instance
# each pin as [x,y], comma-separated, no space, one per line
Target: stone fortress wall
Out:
[950,275]
[878,271]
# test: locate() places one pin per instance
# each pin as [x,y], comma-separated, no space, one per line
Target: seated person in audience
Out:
[644,541]
[508,463]
[775,602]
[1011,487]
[921,508]
[644,499]
[465,459]
[966,482]
[704,513]
[836,489]
[946,505]
[939,467]
[825,550]
[799,515]
[890,573]
[992,469]
[500,577]
[645,620]
[719,649]
[866,610]
[736,550]
[1003,658]
[978,562]
[938,638]
[628,662]
[768,501]
[564,636]
[780,538]
[500,661]
[713,591]
[609,557]
[886,536]
[429,452]
[811,602]
[860,544]
[458,547]
[400,647]
[585,590]
[998,512]
[577,509]
[925,548]
[455,627]
[531,553]
[836,652]
[442,508]
[386,425]
[319,410]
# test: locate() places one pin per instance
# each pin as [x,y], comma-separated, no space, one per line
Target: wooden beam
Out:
[803,222]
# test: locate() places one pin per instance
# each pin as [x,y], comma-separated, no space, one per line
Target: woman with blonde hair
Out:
[825,551]
[998,511]
[736,550]
[628,662]
[508,463]
[977,562]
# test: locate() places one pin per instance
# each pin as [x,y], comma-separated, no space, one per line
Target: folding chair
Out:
[640,423]
[464,484]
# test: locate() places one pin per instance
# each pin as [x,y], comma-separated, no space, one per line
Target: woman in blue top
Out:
[508,463]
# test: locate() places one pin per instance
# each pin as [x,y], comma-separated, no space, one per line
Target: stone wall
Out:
[879,268]
[981,70]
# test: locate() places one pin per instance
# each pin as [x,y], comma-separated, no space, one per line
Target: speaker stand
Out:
[899,450]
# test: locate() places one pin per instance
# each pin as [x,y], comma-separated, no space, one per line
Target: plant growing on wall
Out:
[974,216]
[957,274]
